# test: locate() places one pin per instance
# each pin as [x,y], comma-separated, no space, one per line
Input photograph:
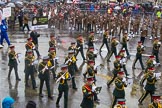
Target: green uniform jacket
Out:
[149,64]
[139,51]
[46,73]
[79,44]
[29,46]
[74,49]
[124,41]
[63,85]
[52,43]
[12,58]
[105,36]
[71,64]
[90,40]
[113,45]
[28,64]
[91,55]
[156,47]
[51,57]
[91,71]
[117,67]
[119,88]
[87,101]
[150,84]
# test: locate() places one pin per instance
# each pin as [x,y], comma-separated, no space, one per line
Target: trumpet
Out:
[17,55]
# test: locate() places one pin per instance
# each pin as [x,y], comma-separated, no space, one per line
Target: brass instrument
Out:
[16,56]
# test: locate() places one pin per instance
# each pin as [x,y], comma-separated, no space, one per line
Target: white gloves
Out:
[154,62]
[93,88]
[159,43]
[117,41]
[142,46]
[33,48]
[124,80]
[62,77]
[78,48]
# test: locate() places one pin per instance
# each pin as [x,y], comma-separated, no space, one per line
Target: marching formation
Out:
[117,29]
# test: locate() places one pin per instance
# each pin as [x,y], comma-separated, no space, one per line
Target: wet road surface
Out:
[18,91]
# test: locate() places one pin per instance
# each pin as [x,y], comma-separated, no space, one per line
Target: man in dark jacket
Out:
[34,35]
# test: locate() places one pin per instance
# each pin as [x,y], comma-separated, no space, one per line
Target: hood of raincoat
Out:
[7,102]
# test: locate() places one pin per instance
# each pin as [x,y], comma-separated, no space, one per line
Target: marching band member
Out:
[80,42]
[120,103]
[73,47]
[149,87]
[140,49]
[90,54]
[29,69]
[13,62]
[144,32]
[123,61]
[30,46]
[63,87]
[125,39]
[91,39]
[155,28]
[150,63]
[151,69]
[90,70]
[88,94]
[161,33]
[52,56]
[53,42]
[117,68]
[155,50]
[114,43]
[105,40]
[155,103]
[44,76]
[70,60]
[120,84]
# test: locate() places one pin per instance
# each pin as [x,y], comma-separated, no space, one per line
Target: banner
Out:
[7,12]
[40,22]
